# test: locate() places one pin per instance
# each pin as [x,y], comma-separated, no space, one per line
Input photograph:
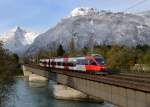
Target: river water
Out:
[39,94]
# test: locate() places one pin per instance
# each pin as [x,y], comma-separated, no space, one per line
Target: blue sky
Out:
[40,15]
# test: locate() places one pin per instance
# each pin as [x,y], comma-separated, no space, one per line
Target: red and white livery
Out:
[91,64]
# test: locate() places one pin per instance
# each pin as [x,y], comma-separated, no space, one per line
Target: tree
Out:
[8,69]
[102,50]
[15,57]
[43,54]
[120,57]
[85,50]
[146,58]
[143,48]
[72,45]
[60,51]
[73,51]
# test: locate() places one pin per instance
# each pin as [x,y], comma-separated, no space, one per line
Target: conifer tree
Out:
[60,51]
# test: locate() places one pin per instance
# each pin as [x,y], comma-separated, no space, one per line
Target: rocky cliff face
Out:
[89,26]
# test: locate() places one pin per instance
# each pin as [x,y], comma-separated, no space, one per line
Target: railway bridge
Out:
[122,90]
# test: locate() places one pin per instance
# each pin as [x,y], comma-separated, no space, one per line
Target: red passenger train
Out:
[89,64]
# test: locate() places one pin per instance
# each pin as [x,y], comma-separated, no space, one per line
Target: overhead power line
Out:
[135,5]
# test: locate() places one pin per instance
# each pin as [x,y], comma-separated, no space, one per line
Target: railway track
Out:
[135,78]
[140,78]
[138,75]
[130,83]
[130,80]
[117,78]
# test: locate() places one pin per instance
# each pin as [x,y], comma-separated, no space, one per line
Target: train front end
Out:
[101,63]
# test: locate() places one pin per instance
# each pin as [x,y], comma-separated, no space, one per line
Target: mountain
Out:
[84,11]
[89,26]
[17,40]
[145,13]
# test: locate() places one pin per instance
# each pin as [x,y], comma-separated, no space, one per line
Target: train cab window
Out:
[100,60]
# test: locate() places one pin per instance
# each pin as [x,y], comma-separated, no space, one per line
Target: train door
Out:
[65,63]
[80,66]
[72,64]
[41,62]
[47,62]
[50,62]
[61,64]
[53,63]
[44,62]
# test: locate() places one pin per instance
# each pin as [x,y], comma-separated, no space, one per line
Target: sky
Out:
[41,15]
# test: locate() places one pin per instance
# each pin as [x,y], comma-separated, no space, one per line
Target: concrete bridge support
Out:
[123,97]
[31,76]
[60,91]
[118,95]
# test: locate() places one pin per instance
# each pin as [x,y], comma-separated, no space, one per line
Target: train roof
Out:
[80,57]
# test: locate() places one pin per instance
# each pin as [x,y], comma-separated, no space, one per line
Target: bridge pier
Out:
[31,76]
[60,91]
[64,92]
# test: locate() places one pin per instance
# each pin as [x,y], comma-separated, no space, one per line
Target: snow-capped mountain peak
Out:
[81,11]
[17,40]
[17,28]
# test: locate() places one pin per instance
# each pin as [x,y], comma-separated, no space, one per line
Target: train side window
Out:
[64,64]
[59,63]
[71,64]
[91,62]
[44,62]
[74,63]
[82,62]
[86,62]
[53,63]
[48,63]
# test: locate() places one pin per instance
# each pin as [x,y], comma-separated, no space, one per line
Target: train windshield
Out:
[100,60]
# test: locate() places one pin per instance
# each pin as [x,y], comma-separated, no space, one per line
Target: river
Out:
[39,94]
